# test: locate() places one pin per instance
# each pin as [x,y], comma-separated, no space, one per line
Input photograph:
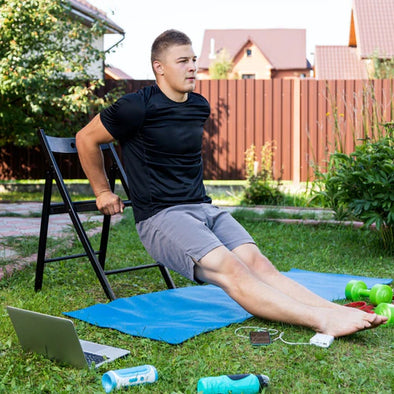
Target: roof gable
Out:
[372,27]
[112,72]
[84,9]
[283,48]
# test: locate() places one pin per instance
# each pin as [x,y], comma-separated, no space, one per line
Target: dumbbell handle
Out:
[364,292]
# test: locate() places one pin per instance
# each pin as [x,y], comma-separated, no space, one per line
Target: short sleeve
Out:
[125,117]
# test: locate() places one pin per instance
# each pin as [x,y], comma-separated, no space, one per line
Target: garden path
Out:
[23,219]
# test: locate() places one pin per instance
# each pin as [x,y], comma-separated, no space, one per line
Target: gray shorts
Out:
[178,236]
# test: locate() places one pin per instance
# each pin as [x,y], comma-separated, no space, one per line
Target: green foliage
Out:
[221,66]
[361,185]
[382,68]
[260,189]
[45,54]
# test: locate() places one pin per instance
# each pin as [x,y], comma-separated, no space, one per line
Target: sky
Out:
[327,22]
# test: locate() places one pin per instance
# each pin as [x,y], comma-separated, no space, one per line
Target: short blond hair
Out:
[168,39]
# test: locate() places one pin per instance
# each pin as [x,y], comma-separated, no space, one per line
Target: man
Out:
[160,131]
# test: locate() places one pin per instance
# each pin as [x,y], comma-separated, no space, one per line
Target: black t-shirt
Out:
[161,146]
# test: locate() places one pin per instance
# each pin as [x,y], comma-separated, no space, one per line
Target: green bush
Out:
[361,185]
[261,189]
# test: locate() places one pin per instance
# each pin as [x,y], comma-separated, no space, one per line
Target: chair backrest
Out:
[60,145]
[54,146]
[64,145]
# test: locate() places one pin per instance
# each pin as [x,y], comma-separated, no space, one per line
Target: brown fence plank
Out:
[240,147]
[321,122]
[286,147]
[235,172]
[259,112]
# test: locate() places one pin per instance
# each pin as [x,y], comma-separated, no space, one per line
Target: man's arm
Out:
[88,142]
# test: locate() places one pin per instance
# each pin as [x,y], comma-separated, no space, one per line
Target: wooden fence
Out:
[305,120]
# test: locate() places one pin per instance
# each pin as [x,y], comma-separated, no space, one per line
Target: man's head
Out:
[174,64]
[165,40]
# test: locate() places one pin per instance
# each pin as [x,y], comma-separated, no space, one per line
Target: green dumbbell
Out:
[385,309]
[356,289]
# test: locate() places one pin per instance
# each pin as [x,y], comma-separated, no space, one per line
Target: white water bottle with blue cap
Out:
[129,377]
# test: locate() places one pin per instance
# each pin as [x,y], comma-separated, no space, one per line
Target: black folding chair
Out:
[57,149]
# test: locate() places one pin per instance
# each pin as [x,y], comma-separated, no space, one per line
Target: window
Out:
[248,52]
[248,76]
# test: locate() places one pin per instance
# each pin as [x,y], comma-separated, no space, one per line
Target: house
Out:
[87,13]
[256,53]
[371,36]
[115,73]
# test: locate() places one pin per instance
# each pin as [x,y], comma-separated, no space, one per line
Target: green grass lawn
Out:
[359,363]
[223,192]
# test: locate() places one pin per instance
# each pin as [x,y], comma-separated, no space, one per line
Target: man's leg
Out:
[260,266]
[226,270]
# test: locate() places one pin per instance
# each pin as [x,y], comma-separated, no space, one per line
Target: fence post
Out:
[296,131]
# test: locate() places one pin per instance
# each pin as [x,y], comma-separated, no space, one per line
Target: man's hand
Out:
[109,203]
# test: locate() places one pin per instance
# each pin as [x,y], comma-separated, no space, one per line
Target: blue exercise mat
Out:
[176,315]
[329,286]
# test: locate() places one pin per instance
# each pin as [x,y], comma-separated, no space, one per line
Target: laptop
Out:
[56,338]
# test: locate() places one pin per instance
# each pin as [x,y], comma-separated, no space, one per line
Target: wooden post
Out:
[296,131]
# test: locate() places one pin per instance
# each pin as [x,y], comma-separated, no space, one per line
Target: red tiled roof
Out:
[374,27]
[284,48]
[87,9]
[338,62]
[115,73]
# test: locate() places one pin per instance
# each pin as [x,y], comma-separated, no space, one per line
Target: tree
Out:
[221,66]
[45,55]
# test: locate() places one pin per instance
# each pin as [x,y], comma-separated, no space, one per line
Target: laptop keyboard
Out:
[93,358]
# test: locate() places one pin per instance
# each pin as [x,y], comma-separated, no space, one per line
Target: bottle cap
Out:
[108,381]
[263,380]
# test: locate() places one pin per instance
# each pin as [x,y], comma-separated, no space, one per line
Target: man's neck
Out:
[173,95]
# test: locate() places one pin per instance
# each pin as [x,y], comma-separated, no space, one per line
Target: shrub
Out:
[362,184]
[221,67]
[260,189]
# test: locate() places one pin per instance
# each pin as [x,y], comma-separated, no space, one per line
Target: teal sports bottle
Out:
[234,384]
[129,377]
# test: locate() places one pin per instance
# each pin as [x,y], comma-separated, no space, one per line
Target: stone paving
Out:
[23,219]
[20,221]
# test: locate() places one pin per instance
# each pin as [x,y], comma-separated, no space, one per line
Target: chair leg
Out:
[104,240]
[91,255]
[167,277]
[43,233]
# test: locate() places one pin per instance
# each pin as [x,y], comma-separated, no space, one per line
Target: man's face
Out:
[178,68]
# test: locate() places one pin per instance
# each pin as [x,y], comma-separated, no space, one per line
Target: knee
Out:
[254,259]
[233,272]
[260,263]
[220,267]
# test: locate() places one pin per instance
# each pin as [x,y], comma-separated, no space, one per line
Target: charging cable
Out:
[321,340]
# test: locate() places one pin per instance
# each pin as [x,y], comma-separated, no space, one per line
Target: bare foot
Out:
[339,323]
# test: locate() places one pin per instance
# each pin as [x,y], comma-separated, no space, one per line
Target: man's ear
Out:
[158,67]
